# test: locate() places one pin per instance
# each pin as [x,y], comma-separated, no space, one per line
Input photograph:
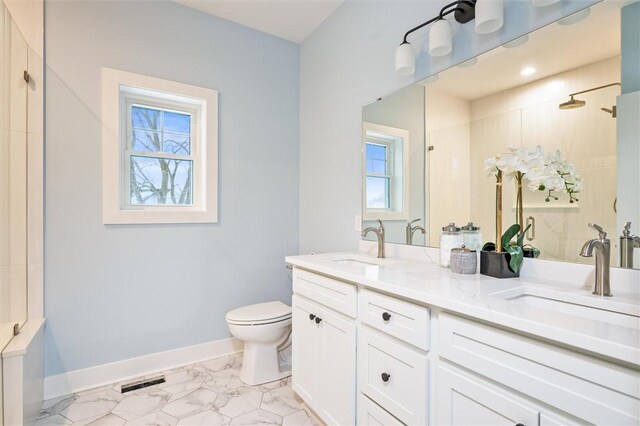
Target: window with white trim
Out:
[386,177]
[160,150]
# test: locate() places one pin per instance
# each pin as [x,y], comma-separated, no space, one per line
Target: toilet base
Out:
[261,364]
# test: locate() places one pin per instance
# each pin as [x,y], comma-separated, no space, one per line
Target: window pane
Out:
[176,122]
[173,143]
[377,192]
[145,118]
[159,181]
[146,140]
[376,158]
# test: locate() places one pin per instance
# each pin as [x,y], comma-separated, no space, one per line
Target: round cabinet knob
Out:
[311,317]
[318,319]
[519,424]
[385,377]
[386,316]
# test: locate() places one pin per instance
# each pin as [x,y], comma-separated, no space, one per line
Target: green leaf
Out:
[515,259]
[515,252]
[508,235]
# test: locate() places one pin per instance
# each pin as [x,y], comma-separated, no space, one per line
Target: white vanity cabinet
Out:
[396,362]
[519,380]
[324,348]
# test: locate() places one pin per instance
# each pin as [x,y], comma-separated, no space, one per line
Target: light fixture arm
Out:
[465,15]
[595,88]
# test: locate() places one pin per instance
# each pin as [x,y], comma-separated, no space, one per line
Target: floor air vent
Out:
[141,384]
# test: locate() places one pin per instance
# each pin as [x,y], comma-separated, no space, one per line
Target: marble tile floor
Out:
[205,393]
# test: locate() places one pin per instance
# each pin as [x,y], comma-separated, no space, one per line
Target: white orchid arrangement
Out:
[550,172]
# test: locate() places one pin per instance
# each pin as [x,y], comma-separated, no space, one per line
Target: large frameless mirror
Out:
[549,98]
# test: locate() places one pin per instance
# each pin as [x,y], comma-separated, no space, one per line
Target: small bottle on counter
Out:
[450,238]
[471,236]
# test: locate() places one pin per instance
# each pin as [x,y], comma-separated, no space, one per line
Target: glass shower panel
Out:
[13,177]
[586,137]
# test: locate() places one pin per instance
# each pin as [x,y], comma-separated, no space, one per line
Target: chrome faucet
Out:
[412,229]
[379,231]
[602,247]
[628,242]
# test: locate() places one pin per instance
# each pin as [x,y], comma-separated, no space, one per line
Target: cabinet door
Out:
[338,369]
[305,351]
[462,399]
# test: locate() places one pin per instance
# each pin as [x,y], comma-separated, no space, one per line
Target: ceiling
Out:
[292,20]
[591,40]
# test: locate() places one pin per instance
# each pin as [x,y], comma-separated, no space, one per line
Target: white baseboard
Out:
[100,375]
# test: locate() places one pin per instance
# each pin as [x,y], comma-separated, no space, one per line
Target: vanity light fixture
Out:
[516,42]
[576,17]
[469,62]
[489,16]
[440,36]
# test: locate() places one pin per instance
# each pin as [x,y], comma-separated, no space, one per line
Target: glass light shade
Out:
[489,16]
[405,59]
[543,3]
[575,18]
[440,38]
[517,42]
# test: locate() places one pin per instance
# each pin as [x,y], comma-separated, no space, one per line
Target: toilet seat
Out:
[259,314]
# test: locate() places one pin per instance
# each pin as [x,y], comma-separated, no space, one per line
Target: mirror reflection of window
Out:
[386,172]
[379,172]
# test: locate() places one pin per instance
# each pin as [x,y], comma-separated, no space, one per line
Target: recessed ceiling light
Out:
[527,71]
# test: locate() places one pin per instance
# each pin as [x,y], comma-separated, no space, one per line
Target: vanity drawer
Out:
[394,375]
[371,414]
[588,388]
[335,294]
[404,320]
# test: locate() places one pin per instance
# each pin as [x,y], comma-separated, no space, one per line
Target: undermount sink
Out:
[596,308]
[357,261]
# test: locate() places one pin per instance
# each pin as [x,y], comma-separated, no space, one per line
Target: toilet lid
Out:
[260,312]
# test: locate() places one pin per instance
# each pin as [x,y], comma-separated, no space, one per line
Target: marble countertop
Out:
[599,330]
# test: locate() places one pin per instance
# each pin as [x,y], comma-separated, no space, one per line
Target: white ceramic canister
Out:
[450,238]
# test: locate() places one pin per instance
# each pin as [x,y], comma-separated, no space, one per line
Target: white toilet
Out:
[263,328]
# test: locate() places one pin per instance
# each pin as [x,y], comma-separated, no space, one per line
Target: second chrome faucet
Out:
[412,229]
[379,231]
[602,247]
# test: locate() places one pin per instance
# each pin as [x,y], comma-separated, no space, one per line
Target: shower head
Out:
[577,103]
[572,103]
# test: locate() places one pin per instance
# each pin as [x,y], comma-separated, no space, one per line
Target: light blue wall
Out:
[348,62]
[116,292]
[630,22]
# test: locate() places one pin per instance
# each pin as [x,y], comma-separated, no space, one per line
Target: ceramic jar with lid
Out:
[450,238]
[464,260]
[471,236]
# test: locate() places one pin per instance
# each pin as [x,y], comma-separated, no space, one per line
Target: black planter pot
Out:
[496,265]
